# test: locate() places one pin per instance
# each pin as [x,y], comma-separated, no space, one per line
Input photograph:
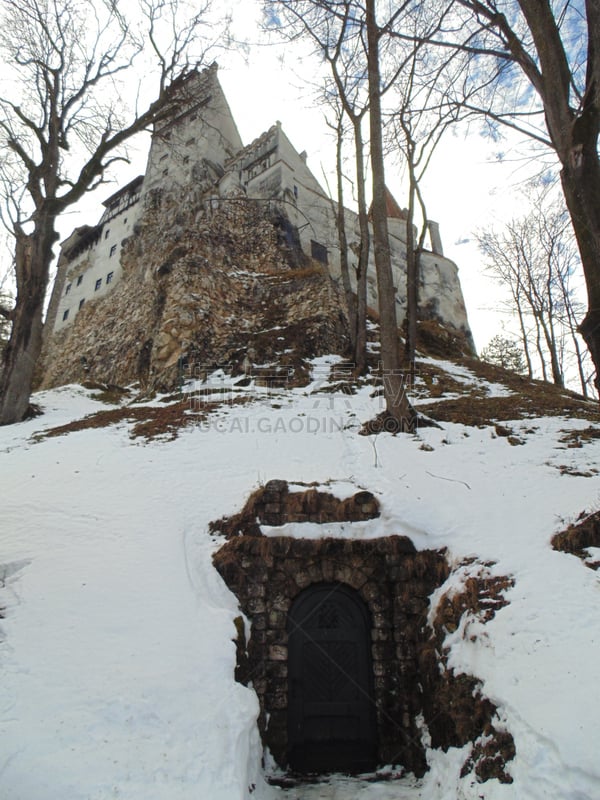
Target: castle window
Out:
[81,302]
[106,232]
[98,284]
[79,279]
[109,277]
[190,141]
[295,191]
[165,172]
[113,250]
[68,289]
[65,314]
[318,252]
[164,157]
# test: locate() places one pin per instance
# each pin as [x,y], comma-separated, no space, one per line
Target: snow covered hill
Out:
[116,651]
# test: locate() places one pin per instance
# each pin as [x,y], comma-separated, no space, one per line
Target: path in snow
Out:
[339,787]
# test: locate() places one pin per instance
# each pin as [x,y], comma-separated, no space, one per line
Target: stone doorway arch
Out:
[331,719]
[391,582]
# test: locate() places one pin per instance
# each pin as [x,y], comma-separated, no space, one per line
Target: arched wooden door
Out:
[331,720]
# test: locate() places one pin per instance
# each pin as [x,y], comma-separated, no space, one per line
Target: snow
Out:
[116,652]
[467,377]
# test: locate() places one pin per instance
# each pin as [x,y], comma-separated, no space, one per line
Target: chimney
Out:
[436,239]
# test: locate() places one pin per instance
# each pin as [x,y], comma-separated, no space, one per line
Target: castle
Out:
[198,176]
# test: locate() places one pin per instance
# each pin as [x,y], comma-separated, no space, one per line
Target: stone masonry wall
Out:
[393,580]
[411,677]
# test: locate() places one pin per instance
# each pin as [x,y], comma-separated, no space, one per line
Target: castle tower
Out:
[188,153]
[193,145]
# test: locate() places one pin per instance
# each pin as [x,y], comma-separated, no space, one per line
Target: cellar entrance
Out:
[331,719]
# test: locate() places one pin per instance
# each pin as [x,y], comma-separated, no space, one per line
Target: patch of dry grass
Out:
[107,393]
[578,537]
[149,422]
[578,438]
[474,407]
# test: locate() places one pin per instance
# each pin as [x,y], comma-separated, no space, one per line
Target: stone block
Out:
[381,621]
[302,579]
[277,619]
[278,669]
[380,635]
[279,700]
[278,652]
[328,569]
[276,636]
[256,590]
[258,637]
[382,651]
[259,623]
[380,603]
[418,606]
[256,605]
[280,602]
[316,573]
[371,591]
[276,487]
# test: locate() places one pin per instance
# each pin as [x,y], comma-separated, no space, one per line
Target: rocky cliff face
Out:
[202,287]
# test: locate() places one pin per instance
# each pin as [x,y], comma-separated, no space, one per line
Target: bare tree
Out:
[335,27]
[397,403]
[555,49]
[338,209]
[535,259]
[423,112]
[348,37]
[62,127]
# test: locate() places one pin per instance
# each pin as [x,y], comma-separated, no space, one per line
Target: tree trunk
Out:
[572,325]
[580,370]
[363,256]
[524,337]
[33,255]
[412,299]
[540,349]
[343,242]
[394,385]
[550,337]
[580,178]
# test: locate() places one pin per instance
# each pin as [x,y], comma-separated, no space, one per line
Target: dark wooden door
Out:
[330,710]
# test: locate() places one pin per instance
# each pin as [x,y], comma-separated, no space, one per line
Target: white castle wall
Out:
[285,174]
[92,273]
